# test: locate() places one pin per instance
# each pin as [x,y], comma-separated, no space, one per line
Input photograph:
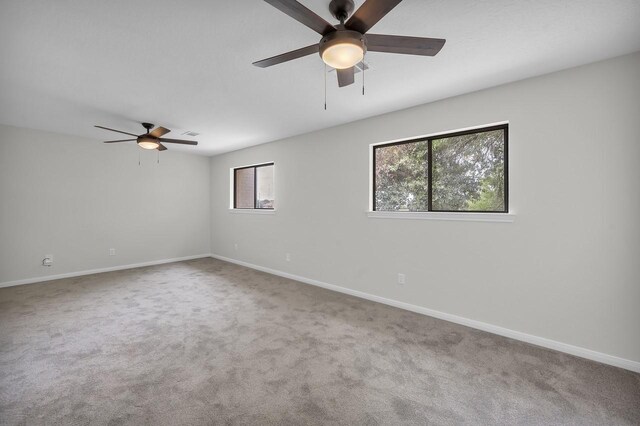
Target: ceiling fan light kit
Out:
[152,139]
[147,143]
[344,45]
[342,49]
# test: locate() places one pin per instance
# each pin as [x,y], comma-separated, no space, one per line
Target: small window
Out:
[253,187]
[459,172]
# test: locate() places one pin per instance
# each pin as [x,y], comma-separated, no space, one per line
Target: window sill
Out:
[462,216]
[252,211]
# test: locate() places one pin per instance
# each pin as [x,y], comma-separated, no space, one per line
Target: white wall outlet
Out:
[235,246]
[287,257]
[48,260]
[401,279]
[112,252]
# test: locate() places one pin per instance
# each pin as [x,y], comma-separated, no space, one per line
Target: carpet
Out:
[207,342]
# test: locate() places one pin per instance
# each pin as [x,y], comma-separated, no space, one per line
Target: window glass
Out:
[401,177]
[244,188]
[253,187]
[264,190]
[468,172]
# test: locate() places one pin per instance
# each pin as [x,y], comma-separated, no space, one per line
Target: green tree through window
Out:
[468,173]
[401,177]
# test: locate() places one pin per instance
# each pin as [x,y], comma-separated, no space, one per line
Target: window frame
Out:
[255,168]
[429,139]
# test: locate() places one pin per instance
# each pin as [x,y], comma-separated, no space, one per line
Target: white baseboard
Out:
[97,271]
[517,335]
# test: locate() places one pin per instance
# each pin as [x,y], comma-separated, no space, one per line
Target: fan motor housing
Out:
[342,37]
[341,9]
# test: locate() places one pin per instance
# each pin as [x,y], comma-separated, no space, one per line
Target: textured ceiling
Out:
[186,65]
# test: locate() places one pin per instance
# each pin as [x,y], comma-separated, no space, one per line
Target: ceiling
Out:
[186,65]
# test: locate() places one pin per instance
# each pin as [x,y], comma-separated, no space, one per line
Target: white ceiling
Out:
[186,65]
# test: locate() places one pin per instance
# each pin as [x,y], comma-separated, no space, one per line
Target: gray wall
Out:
[567,269]
[76,198]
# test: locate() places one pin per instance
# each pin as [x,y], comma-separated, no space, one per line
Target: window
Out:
[253,187]
[458,172]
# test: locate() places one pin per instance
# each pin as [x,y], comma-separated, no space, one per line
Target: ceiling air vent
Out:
[190,134]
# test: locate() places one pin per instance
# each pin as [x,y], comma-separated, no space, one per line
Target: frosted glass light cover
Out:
[343,55]
[148,143]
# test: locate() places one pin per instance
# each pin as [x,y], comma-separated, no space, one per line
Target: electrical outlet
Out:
[48,260]
[287,257]
[112,252]
[401,279]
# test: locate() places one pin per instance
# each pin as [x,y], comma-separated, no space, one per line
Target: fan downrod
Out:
[341,9]
[147,126]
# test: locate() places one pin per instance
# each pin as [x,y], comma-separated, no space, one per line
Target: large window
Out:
[253,187]
[458,172]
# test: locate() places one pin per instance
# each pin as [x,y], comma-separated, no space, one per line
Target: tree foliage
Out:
[401,177]
[468,174]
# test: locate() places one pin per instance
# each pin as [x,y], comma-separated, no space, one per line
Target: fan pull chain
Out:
[158,156]
[138,157]
[325,86]
[364,67]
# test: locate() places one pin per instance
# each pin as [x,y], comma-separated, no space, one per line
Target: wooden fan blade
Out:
[159,131]
[294,54]
[369,14]
[345,77]
[180,141]
[161,147]
[303,15]
[121,140]
[404,45]
[114,130]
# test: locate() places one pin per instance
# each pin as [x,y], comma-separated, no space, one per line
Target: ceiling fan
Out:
[150,140]
[343,46]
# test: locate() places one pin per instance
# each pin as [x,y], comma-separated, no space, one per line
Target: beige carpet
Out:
[207,342]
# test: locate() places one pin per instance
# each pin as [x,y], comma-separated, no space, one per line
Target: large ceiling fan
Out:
[152,139]
[343,46]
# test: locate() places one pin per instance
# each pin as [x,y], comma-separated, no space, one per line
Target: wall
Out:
[567,269]
[76,198]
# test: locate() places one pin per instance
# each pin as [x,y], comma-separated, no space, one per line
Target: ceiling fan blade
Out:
[303,15]
[369,14]
[294,54]
[180,141]
[403,44]
[345,77]
[121,140]
[114,130]
[161,147]
[159,131]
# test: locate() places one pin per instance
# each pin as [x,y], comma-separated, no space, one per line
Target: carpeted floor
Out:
[207,342]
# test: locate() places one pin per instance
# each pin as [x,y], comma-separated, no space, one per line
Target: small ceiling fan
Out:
[343,46]
[150,140]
